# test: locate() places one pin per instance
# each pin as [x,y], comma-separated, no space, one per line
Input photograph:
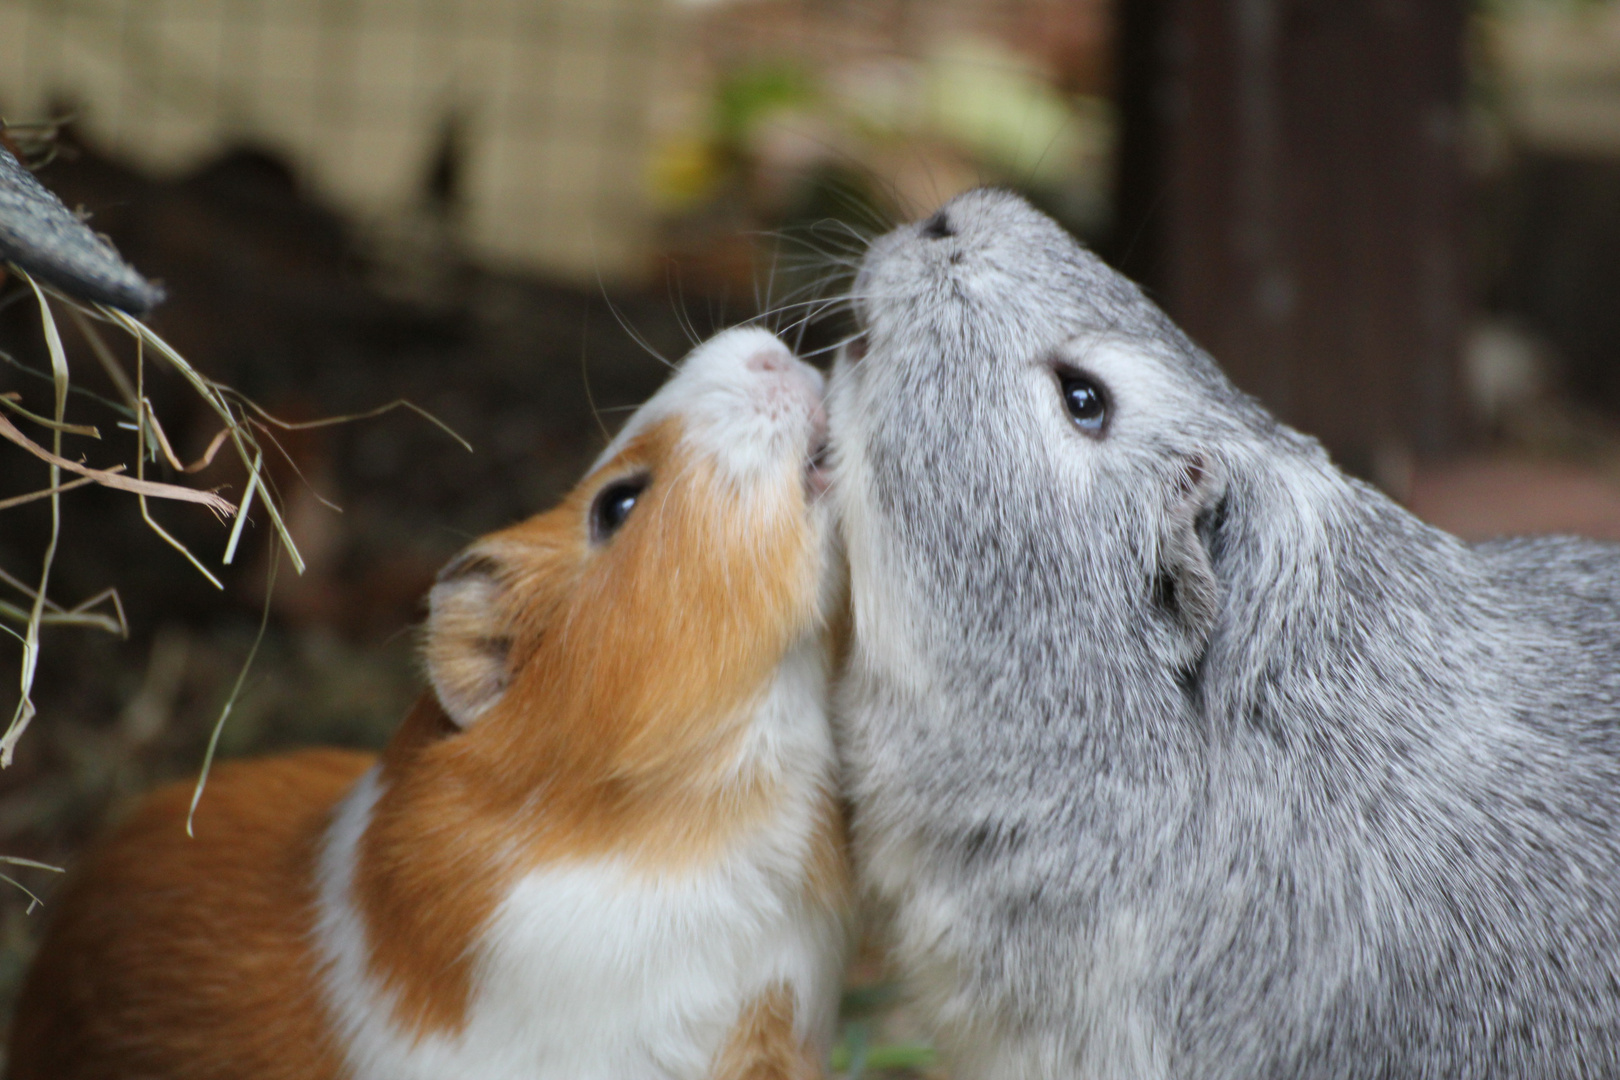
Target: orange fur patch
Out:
[631,671]
[633,668]
[178,957]
[762,1046]
[828,877]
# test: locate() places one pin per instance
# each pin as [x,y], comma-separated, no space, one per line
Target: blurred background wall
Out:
[542,107]
[1297,180]
[560,128]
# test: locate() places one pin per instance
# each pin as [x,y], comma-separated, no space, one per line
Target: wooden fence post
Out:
[1290,186]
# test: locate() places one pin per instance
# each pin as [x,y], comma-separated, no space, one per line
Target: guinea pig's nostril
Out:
[938,227]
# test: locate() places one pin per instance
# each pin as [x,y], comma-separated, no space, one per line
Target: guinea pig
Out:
[1172,750]
[606,844]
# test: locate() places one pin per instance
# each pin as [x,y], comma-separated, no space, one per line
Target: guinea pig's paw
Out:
[466,645]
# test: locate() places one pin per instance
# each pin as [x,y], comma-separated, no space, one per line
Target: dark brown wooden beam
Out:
[1290,186]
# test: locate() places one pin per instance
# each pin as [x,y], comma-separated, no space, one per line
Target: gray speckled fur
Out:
[1357,822]
[46,239]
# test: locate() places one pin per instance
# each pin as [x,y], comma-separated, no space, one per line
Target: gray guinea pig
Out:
[1174,751]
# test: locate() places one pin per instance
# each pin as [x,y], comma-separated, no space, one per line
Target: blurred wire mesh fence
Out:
[369,97]
[565,131]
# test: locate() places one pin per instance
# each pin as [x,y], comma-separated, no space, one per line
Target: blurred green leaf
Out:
[894,1056]
[750,94]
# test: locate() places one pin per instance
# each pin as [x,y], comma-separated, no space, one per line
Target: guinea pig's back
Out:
[197,948]
[1564,595]
[1557,572]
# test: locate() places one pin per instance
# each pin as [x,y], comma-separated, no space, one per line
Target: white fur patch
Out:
[597,970]
[746,402]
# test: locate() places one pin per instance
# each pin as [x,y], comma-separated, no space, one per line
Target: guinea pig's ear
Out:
[1185,587]
[466,647]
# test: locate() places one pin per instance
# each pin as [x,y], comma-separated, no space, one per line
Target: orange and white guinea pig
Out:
[606,846]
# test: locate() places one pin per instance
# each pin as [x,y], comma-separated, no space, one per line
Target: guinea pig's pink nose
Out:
[771,362]
[784,374]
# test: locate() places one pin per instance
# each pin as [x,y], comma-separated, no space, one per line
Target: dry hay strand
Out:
[245,428]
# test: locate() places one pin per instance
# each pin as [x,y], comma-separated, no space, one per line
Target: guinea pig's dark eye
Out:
[613,505]
[1086,401]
